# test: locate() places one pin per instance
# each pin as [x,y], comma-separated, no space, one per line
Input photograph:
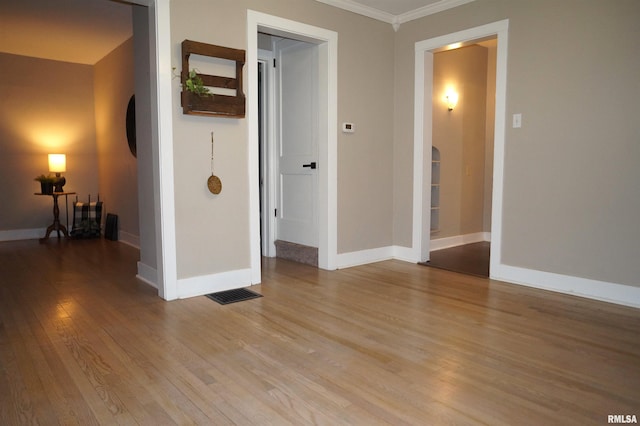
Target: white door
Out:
[297,140]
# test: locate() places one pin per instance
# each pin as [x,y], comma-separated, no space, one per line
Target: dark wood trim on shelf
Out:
[215,104]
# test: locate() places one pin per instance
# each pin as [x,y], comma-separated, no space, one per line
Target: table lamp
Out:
[57,165]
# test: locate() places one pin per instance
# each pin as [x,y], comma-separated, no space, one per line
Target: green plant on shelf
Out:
[194,83]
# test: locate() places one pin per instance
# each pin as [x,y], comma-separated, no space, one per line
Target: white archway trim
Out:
[423,136]
[162,133]
[328,153]
[164,192]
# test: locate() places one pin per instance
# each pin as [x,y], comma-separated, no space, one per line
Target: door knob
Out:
[311,165]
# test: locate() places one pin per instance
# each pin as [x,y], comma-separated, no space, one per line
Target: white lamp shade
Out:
[57,163]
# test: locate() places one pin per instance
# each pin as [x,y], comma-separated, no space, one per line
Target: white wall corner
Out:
[592,289]
[147,274]
[363,257]
[406,254]
[205,284]
[129,239]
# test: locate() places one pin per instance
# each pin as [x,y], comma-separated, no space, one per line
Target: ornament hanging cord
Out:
[213,183]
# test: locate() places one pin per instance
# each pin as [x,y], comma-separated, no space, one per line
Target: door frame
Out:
[327,42]
[423,109]
[267,159]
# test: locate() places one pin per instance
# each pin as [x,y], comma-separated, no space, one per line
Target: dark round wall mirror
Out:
[131,125]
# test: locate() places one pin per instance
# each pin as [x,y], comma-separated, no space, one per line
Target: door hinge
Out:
[274,62]
[275,212]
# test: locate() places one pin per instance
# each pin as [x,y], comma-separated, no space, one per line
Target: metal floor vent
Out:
[232,296]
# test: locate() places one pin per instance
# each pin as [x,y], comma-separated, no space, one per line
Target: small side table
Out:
[56,225]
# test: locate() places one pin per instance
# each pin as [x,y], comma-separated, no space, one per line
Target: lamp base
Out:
[58,183]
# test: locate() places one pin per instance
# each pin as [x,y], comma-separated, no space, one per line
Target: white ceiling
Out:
[84,31]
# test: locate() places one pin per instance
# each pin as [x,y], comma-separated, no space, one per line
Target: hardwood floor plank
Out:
[82,341]
[67,404]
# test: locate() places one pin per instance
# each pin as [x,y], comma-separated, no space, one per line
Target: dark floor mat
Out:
[232,296]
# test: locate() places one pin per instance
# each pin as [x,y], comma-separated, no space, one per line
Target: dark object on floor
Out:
[470,259]
[87,219]
[111,227]
[232,296]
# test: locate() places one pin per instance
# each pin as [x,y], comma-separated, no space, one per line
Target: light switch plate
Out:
[517,121]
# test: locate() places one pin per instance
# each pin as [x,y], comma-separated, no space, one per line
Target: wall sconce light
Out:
[451,99]
[57,165]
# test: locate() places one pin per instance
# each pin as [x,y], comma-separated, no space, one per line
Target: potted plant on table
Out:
[46,183]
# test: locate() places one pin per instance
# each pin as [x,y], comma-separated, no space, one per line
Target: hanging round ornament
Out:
[213,183]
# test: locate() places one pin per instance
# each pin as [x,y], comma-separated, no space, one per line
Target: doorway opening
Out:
[424,137]
[288,122]
[463,109]
[325,43]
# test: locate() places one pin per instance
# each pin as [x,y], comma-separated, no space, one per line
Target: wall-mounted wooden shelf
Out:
[215,104]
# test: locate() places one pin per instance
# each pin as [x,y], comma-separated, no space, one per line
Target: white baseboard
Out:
[129,239]
[405,254]
[147,274]
[591,289]
[23,234]
[583,287]
[458,240]
[205,284]
[363,257]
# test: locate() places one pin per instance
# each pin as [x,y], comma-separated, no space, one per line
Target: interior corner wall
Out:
[113,87]
[570,202]
[459,135]
[46,107]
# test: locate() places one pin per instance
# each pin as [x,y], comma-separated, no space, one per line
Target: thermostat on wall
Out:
[348,128]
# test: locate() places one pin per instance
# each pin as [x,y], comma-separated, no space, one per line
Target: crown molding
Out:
[395,20]
[430,9]
[361,9]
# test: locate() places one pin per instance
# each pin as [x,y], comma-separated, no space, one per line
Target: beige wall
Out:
[46,107]
[117,166]
[571,198]
[212,232]
[460,137]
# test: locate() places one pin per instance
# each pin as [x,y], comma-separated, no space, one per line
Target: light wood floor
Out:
[83,342]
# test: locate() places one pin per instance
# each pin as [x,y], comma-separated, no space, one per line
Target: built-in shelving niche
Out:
[219,105]
[435,190]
